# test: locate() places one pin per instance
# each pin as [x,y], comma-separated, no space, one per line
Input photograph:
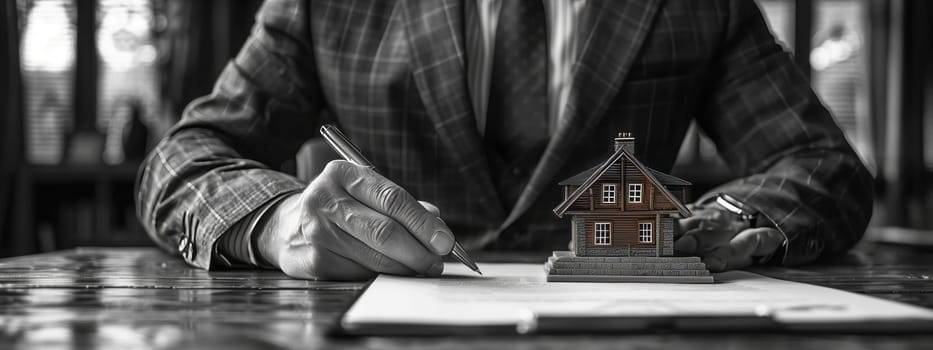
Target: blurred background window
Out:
[839,70]
[48,73]
[102,81]
[128,82]
[128,86]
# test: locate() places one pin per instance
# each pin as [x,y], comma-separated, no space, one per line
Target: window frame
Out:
[609,189]
[632,196]
[608,233]
[650,227]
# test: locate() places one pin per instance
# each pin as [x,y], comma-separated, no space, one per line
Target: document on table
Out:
[508,294]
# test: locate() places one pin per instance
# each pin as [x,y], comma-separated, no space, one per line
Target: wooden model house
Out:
[623,224]
[622,207]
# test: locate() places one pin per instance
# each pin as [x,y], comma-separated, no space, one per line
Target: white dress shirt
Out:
[482,17]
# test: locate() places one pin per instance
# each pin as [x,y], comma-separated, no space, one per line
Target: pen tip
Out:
[479,272]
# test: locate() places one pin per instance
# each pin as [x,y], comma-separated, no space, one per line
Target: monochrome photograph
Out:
[466,174]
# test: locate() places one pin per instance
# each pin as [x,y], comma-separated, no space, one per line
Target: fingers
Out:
[702,240]
[384,196]
[375,240]
[686,245]
[723,242]
[701,218]
[322,251]
[307,261]
[357,222]
[709,229]
[741,249]
[757,241]
[690,223]
[373,260]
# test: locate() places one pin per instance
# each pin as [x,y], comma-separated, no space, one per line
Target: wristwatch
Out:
[748,215]
[741,210]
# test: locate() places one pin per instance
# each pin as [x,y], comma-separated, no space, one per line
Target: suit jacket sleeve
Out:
[217,164]
[795,164]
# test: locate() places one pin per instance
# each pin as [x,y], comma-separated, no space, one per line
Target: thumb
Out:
[748,244]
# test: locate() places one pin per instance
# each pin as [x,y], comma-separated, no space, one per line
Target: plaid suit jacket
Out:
[391,74]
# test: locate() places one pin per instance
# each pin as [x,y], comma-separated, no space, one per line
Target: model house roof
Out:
[668,179]
[664,179]
[588,177]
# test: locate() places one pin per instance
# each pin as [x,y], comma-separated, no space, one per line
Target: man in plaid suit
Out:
[418,86]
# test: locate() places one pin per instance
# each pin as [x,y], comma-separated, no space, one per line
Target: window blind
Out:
[129,82]
[48,61]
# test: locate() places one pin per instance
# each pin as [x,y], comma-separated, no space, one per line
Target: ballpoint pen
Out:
[349,152]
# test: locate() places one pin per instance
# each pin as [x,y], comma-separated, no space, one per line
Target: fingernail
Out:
[436,270]
[686,244]
[442,241]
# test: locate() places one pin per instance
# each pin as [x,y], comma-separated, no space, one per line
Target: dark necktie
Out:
[517,114]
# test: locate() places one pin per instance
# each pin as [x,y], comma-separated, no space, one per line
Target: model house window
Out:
[603,231]
[634,193]
[609,194]
[644,233]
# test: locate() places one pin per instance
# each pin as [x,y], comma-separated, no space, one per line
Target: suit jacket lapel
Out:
[612,33]
[435,34]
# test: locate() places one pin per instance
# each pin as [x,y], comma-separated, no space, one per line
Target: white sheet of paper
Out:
[508,292]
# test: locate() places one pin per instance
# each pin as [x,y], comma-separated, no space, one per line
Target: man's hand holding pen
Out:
[351,223]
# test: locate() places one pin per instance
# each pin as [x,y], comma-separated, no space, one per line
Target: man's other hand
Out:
[722,242]
[351,223]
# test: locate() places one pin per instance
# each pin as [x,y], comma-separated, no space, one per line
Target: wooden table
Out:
[138,298]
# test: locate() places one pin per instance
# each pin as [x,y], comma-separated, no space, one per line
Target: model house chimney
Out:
[626,141]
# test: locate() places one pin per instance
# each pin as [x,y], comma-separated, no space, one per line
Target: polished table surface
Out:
[141,298]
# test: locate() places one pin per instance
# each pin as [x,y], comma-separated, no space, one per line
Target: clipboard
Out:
[848,313]
[621,325]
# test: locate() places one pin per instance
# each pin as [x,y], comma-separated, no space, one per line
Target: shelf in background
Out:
[65,205]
